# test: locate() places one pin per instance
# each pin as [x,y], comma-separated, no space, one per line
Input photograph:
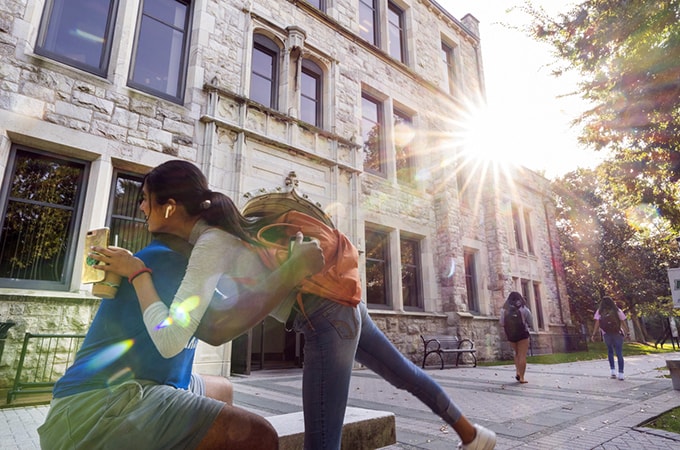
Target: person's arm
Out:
[214,254]
[245,305]
[596,328]
[624,323]
[528,318]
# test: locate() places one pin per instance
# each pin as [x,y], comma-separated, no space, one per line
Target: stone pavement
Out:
[564,406]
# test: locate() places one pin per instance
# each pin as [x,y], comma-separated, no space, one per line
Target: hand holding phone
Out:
[98,237]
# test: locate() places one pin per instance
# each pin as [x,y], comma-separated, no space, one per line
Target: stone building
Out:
[357,104]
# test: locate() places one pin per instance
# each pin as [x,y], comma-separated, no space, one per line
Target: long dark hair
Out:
[516,299]
[186,184]
[607,303]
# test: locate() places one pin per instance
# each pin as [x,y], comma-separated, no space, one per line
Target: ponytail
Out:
[186,184]
[222,212]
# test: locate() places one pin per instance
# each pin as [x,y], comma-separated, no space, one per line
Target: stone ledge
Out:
[364,429]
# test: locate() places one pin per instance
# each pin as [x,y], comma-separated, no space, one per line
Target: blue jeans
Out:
[614,342]
[336,335]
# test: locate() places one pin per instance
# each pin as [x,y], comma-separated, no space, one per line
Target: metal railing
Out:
[44,359]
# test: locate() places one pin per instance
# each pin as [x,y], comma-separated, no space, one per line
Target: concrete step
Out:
[364,429]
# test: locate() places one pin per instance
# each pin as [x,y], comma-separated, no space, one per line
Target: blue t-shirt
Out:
[117,346]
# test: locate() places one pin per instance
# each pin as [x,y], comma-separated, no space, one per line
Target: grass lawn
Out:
[668,421]
[596,350]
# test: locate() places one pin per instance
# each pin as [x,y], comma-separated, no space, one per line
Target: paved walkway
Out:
[564,406]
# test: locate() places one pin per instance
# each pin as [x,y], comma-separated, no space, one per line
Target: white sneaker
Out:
[484,440]
[620,376]
[613,373]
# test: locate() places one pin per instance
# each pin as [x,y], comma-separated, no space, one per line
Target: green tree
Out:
[627,56]
[610,248]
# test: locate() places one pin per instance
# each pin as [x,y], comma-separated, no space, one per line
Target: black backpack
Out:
[609,321]
[513,322]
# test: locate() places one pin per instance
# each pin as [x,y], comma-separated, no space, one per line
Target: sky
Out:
[527,104]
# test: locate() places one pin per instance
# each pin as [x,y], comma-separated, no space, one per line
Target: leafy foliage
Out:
[610,248]
[626,54]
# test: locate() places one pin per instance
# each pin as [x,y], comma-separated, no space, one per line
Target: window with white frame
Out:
[377,268]
[42,202]
[402,139]
[78,33]
[411,273]
[396,32]
[372,129]
[311,91]
[125,219]
[470,267]
[161,48]
[448,56]
[264,72]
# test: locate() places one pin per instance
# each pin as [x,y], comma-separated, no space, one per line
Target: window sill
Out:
[390,312]
[35,294]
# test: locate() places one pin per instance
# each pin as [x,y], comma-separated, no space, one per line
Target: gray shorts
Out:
[135,414]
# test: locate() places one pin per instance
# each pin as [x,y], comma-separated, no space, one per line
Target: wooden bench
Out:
[463,348]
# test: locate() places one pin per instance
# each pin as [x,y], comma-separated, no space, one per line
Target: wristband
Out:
[134,275]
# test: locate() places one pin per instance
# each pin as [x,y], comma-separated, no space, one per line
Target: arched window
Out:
[264,71]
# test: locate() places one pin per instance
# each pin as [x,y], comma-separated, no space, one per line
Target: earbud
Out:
[167,211]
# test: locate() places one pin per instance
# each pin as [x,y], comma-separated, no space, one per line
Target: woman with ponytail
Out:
[227,252]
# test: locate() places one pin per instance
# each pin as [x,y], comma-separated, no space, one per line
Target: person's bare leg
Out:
[466,431]
[219,388]
[516,359]
[237,429]
[521,358]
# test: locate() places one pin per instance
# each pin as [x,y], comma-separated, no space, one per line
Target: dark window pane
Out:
[395,18]
[77,32]
[263,79]
[310,93]
[471,281]
[403,137]
[126,221]
[160,54]
[410,274]
[517,227]
[539,306]
[376,268]
[529,233]
[367,12]
[449,67]
[318,4]
[39,219]
[170,12]
[371,130]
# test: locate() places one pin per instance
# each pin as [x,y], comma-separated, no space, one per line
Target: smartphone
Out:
[98,237]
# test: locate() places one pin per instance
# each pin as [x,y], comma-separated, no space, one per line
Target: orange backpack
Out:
[339,280]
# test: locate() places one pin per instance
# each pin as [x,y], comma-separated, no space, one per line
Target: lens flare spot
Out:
[643,216]
[179,313]
[109,354]
[451,269]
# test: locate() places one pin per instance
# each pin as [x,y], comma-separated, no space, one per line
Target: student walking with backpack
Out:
[611,322]
[516,320]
